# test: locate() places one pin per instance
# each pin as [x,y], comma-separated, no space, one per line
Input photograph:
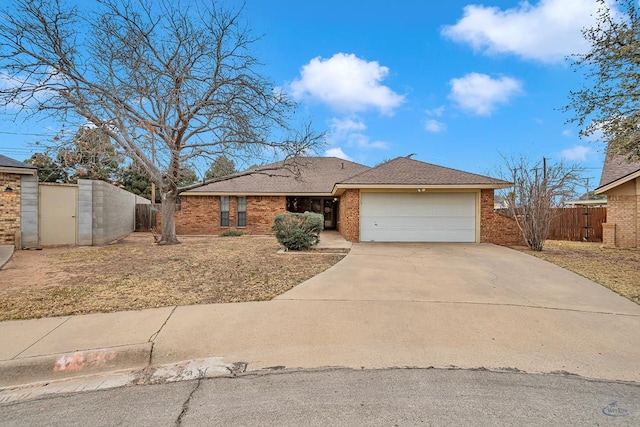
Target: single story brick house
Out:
[402,200]
[620,182]
[18,202]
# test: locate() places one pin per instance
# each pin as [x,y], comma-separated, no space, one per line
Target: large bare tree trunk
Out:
[168,210]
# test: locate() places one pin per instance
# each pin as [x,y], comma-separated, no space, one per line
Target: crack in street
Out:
[185,405]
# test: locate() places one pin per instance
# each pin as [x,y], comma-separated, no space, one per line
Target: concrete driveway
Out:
[422,305]
[457,273]
[383,305]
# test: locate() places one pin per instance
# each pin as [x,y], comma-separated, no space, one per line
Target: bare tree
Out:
[168,82]
[539,189]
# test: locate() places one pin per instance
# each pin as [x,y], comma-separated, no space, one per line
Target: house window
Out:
[242,211]
[224,211]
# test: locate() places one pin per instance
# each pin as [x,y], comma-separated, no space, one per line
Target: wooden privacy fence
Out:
[146,217]
[578,224]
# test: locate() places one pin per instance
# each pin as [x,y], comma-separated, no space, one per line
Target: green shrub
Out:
[297,231]
[231,233]
[314,224]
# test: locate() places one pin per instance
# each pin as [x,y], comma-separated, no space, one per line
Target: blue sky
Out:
[457,83]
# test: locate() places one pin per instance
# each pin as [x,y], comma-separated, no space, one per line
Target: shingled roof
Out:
[7,162]
[406,171]
[317,175]
[616,168]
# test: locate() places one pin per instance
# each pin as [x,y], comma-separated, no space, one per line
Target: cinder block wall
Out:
[105,212]
[85,212]
[349,215]
[9,208]
[29,211]
[200,215]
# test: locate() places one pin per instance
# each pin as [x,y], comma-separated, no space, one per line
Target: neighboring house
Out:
[500,203]
[18,202]
[402,200]
[620,182]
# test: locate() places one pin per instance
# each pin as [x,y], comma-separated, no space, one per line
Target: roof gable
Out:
[617,170]
[316,175]
[406,171]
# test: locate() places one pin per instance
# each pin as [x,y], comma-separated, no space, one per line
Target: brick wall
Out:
[623,221]
[609,234]
[495,227]
[201,215]
[261,211]
[349,215]
[9,208]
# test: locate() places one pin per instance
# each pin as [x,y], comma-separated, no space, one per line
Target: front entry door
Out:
[329,214]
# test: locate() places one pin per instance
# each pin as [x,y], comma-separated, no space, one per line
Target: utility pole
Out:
[587,187]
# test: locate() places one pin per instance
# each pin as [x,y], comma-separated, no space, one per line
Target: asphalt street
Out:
[345,397]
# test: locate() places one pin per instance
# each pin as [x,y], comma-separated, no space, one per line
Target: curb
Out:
[66,365]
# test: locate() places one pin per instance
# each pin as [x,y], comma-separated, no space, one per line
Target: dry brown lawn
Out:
[134,273]
[617,269]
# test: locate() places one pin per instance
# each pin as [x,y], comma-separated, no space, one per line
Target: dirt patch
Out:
[134,273]
[616,269]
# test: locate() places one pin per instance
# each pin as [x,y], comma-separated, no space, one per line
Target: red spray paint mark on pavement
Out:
[79,361]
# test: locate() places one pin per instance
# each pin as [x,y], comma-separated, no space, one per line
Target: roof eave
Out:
[248,193]
[617,182]
[18,171]
[587,202]
[342,186]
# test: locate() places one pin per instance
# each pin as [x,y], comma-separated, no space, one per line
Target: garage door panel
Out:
[425,217]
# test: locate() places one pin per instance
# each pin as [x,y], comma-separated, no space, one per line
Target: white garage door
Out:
[418,217]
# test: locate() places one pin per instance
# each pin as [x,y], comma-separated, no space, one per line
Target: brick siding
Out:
[9,208]
[200,215]
[349,215]
[495,227]
[623,222]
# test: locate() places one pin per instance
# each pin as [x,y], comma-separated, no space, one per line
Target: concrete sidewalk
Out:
[376,308]
[6,251]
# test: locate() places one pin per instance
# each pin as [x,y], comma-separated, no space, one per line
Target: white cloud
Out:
[576,153]
[350,132]
[481,94]
[346,83]
[436,112]
[434,126]
[337,152]
[547,31]
[568,133]
[343,126]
